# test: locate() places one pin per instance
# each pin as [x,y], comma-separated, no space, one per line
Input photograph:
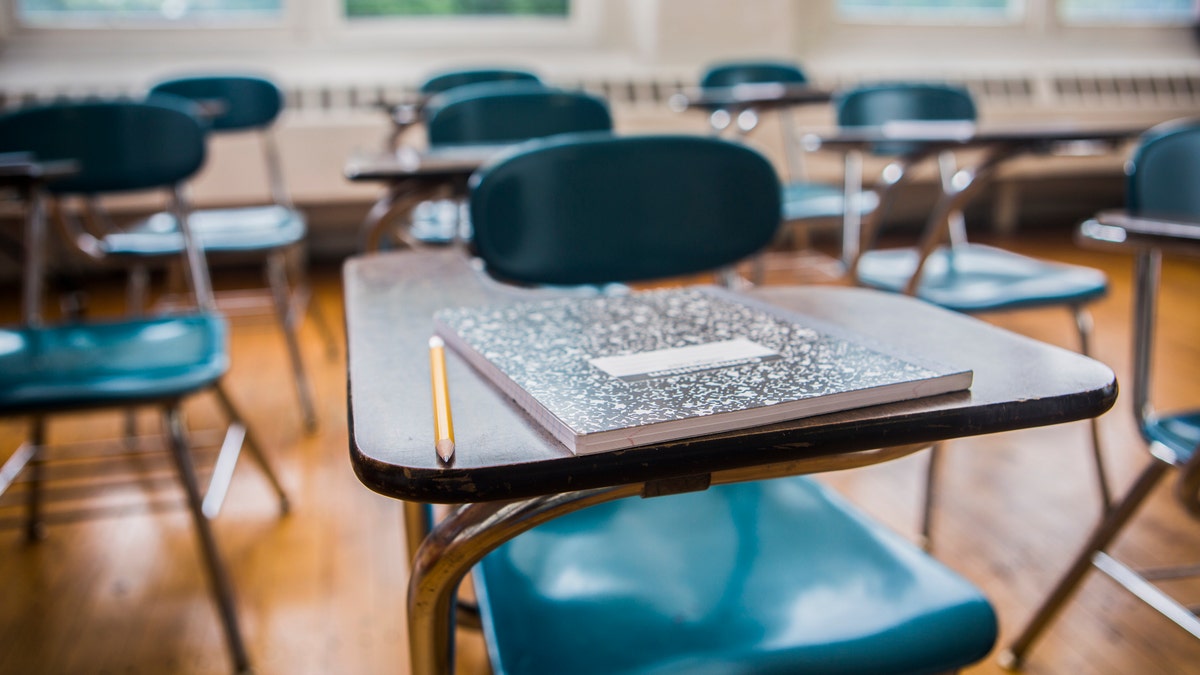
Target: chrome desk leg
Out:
[1014,657]
[455,545]
[35,529]
[930,503]
[251,443]
[1084,323]
[281,294]
[222,588]
[852,180]
[418,521]
[401,198]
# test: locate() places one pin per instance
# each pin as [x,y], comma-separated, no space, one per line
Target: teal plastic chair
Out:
[1161,201]
[273,232]
[759,577]
[118,147]
[963,276]
[496,113]
[507,112]
[804,201]
[407,115]
[446,80]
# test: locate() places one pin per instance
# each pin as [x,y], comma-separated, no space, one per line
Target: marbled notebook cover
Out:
[544,355]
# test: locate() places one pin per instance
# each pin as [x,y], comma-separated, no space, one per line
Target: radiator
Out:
[325,124]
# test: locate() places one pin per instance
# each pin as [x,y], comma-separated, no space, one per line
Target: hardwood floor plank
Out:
[322,589]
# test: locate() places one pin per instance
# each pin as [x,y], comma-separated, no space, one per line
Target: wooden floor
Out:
[322,590]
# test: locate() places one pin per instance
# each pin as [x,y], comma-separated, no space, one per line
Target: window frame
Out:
[324,23]
[1123,22]
[1016,14]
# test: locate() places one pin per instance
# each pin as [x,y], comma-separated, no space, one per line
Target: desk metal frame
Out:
[999,145]
[509,474]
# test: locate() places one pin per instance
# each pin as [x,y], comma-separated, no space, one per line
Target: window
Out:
[553,8]
[933,11]
[126,12]
[1127,11]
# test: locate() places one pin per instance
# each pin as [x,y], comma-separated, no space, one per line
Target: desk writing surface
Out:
[749,95]
[957,134]
[407,162]
[501,453]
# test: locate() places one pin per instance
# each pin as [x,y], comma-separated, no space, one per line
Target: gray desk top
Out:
[503,454]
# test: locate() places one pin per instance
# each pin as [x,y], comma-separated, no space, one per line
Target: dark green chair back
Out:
[507,112]
[875,105]
[731,73]
[448,80]
[595,208]
[169,144]
[243,101]
[1163,172]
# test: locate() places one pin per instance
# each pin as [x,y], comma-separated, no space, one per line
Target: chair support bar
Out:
[1147,592]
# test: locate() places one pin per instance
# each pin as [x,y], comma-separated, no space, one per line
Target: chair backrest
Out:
[1164,173]
[1162,177]
[445,81]
[238,101]
[596,208]
[505,112]
[119,145]
[875,105]
[731,73]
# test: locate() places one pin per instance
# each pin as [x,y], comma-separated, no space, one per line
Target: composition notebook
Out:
[610,372]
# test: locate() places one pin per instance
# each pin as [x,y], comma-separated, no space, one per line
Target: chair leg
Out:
[35,528]
[1084,324]
[930,501]
[297,257]
[1013,658]
[256,449]
[281,293]
[222,588]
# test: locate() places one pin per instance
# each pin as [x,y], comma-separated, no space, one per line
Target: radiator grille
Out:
[1070,90]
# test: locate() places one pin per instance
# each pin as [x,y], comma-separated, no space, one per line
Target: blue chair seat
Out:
[803,201]
[106,364]
[1179,432]
[977,278]
[764,577]
[255,228]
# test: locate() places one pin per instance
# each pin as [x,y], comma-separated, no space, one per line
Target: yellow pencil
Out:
[443,425]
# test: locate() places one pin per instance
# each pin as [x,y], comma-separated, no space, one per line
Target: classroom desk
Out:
[739,105]
[1120,230]
[509,474]
[922,140]
[21,172]
[765,96]
[411,176]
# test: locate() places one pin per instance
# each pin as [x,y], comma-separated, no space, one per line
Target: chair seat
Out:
[1180,433]
[255,228]
[977,278]
[103,364]
[777,576]
[803,201]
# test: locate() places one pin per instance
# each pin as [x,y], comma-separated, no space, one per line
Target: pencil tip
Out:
[445,449]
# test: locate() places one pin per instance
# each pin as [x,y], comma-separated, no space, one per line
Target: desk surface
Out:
[1121,229]
[408,162]
[753,95]
[965,134]
[502,453]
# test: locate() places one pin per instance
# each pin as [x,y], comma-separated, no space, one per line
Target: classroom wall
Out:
[635,52]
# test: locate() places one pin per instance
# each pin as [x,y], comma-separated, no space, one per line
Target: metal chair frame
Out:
[202,505]
[1148,237]
[860,236]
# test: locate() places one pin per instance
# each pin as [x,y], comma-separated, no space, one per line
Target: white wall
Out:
[614,41]
[613,37]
